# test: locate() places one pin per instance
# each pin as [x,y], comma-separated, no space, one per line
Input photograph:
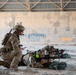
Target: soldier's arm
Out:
[15,44]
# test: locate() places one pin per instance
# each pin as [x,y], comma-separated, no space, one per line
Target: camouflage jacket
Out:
[12,47]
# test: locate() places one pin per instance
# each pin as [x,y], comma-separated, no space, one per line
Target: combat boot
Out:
[5,64]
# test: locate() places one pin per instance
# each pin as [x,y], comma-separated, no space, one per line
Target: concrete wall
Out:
[42,28]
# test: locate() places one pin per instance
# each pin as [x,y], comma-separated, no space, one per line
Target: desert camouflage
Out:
[19,27]
[11,52]
[46,58]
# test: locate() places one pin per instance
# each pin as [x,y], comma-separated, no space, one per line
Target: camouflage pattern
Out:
[19,27]
[5,64]
[37,65]
[11,51]
[46,57]
[29,60]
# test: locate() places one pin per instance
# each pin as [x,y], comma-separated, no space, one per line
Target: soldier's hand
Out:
[23,48]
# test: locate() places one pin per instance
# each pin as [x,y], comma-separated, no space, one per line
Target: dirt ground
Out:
[37,71]
[70,70]
[23,70]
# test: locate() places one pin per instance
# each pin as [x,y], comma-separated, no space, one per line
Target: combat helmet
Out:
[19,27]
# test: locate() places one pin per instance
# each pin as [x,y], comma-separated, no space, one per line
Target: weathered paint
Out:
[57,28]
[67,39]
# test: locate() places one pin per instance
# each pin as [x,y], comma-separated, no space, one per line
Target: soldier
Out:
[11,51]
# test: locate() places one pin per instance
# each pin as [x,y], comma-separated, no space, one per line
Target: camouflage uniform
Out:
[11,52]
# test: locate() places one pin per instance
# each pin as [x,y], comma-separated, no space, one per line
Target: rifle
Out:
[61,53]
[58,54]
[7,36]
[57,51]
[20,45]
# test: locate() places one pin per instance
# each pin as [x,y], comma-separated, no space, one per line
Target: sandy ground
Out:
[37,71]
[70,70]
[23,70]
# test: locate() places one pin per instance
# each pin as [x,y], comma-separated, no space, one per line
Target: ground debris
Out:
[37,71]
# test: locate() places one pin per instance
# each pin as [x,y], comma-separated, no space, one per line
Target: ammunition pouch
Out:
[4,49]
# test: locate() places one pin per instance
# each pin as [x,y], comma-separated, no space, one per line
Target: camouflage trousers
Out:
[11,63]
[5,64]
[37,65]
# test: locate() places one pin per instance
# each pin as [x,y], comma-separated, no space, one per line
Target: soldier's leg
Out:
[15,61]
[5,64]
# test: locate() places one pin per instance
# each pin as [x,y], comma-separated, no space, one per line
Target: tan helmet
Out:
[19,27]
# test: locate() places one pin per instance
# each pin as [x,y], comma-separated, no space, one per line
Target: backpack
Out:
[6,38]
